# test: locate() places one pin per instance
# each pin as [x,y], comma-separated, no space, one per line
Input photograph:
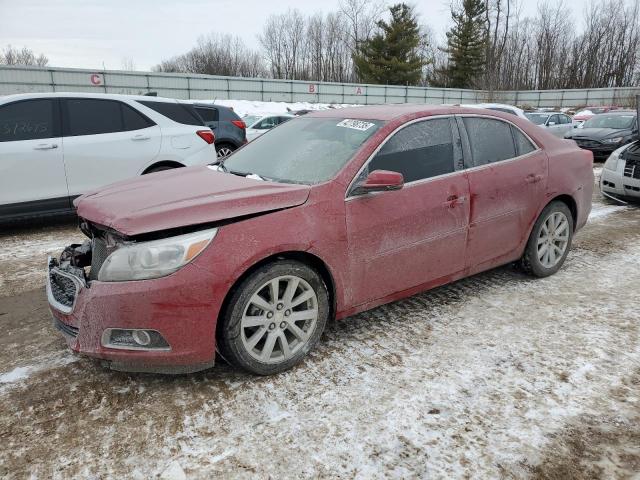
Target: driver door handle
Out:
[140,137]
[45,146]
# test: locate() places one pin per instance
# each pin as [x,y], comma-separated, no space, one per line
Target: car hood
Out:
[183,197]
[595,133]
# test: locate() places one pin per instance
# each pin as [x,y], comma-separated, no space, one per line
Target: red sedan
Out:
[324,216]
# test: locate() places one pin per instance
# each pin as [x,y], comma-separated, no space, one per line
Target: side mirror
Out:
[380,181]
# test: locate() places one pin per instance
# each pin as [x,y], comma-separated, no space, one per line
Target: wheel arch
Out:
[307,258]
[570,202]
[162,163]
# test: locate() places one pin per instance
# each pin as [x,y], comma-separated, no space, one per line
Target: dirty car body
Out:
[373,227]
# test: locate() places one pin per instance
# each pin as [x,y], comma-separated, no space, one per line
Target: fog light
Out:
[141,337]
[134,339]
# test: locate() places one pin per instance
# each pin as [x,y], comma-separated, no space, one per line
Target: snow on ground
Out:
[599,211]
[496,376]
[251,107]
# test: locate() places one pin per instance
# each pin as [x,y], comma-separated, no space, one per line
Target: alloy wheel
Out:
[223,152]
[279,319]
[553,239]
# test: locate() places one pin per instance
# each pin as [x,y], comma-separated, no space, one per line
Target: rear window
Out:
[228,114]
[178,112]
[27,120]
[89,116]
[491,140]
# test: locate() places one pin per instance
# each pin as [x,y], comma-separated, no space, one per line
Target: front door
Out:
[409,237]
[32,169]
[507,180]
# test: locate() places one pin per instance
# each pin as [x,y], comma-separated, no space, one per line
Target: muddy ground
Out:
[496,376]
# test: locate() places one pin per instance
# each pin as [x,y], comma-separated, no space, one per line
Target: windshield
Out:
[610,121]
[303,150]
[537,118]
[249,120]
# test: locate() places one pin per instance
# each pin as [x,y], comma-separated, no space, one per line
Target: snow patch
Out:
[252,107]
[600,211]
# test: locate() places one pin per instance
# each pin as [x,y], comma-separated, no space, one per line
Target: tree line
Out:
[490,45]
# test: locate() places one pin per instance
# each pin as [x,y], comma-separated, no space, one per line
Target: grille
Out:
[632,167]
[62,288]
[99,254]
[587,143]
[66,329]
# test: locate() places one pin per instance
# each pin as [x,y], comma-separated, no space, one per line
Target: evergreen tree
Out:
[466,45]
[392,55]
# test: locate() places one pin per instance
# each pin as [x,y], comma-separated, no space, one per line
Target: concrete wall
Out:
[209,87]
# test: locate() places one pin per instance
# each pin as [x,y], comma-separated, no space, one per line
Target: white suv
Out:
[56,146]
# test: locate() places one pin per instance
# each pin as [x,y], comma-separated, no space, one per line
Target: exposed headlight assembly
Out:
[154,259]
[613,140]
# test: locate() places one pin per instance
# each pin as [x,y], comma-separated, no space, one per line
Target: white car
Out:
[57,146]
[500,107]
[259,124]
[555,122]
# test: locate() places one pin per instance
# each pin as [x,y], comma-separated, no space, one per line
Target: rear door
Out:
[32,173]
[406,238]
[105,141]
[507,180]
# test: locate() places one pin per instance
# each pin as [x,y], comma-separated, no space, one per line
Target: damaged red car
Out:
[325,216]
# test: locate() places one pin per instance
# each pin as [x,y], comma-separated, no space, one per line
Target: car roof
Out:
[111,96]
[392,112]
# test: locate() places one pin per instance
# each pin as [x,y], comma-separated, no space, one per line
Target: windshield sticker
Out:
[355,124]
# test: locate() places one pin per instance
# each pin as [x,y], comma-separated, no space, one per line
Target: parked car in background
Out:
[606,132]
[500,107]
[587,113]
[259,124]
[621,173]
[555,122]
[56,146]
[228,127]
[328,215]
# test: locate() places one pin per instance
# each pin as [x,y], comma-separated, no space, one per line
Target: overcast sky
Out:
[93,33]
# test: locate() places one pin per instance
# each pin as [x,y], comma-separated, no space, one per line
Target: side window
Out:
[208,114]
[28,120]
[87,116]
[266,124]
[177,112]
[490,140]
[420,150]
[564,119]
[555,119]
[134,120]
[523,144]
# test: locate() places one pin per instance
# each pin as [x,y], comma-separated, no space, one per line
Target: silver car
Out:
[556,122]
[620,177]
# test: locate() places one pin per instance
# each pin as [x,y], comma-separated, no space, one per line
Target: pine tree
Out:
[391,56]
[466,45]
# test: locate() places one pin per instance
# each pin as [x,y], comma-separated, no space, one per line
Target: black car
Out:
[604,133]
[229,129]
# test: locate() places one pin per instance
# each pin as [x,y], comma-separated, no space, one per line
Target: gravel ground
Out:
[495,376]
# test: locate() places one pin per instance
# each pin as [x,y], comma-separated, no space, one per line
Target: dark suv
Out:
[228,127]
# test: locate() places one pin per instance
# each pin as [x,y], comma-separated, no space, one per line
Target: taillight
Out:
[207,136]
[239,124]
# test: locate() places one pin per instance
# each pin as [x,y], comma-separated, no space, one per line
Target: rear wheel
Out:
[159,168]
[224,150]
[550,241]
[274,318]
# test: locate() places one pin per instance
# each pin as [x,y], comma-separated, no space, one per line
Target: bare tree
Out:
[23,56]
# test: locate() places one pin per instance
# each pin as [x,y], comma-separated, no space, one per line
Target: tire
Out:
[251,335]
[538,260]
[224,150]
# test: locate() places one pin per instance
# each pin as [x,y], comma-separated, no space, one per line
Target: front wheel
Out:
[550,241]
[274,318]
